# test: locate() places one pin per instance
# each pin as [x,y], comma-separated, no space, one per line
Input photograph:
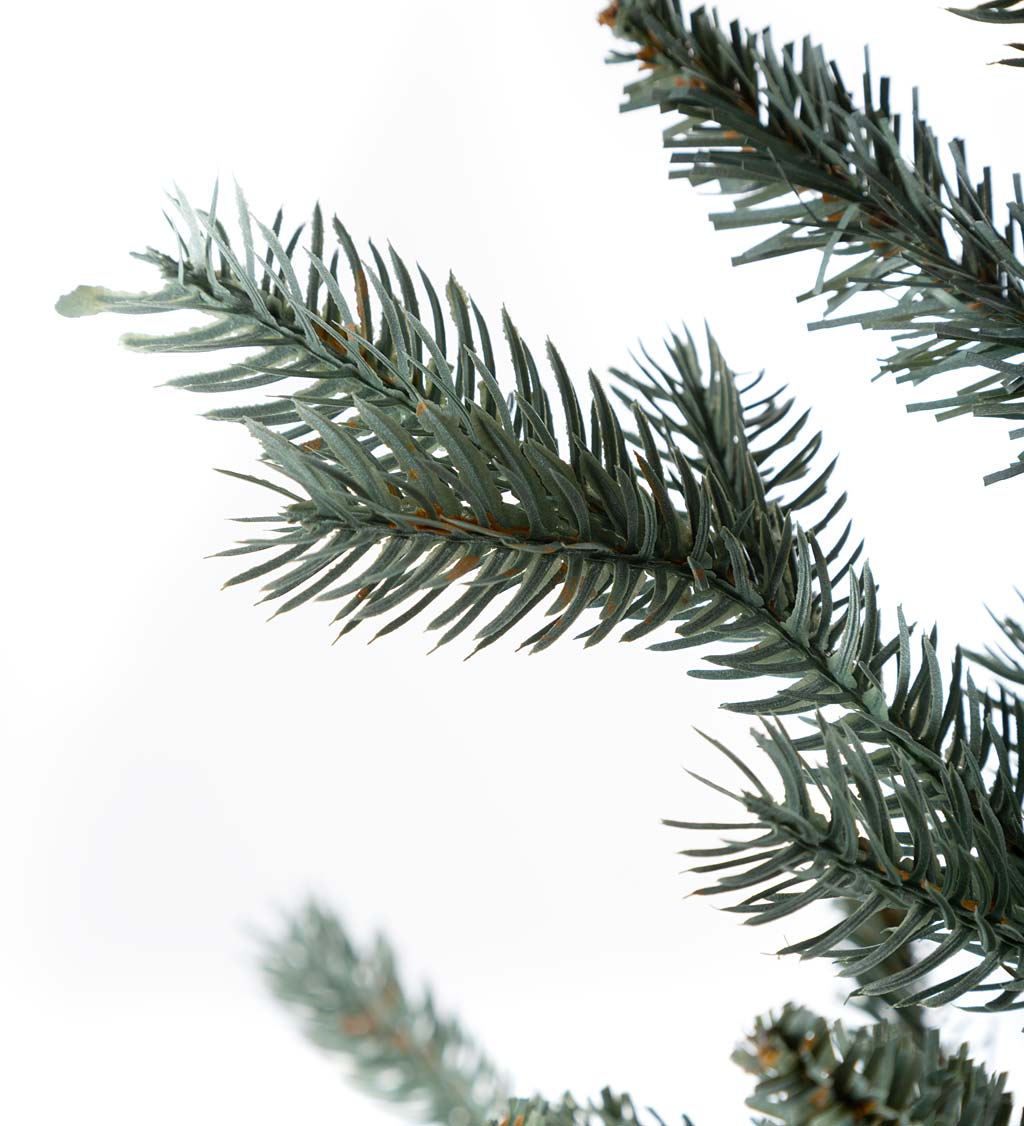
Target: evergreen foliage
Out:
[812,1074]
[689,520]
[352,1003]
[780,132]
[427,468]
[886,844]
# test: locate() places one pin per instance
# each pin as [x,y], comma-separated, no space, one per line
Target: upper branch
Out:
[781,133]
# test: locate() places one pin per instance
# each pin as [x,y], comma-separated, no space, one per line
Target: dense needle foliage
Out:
[420,468]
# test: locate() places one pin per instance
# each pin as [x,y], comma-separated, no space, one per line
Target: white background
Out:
[177,771]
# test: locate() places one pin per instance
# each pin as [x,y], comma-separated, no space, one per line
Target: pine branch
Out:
[786,139]
[601,502]
[809,1072]
[841,831]
[418,473]
[352,1004]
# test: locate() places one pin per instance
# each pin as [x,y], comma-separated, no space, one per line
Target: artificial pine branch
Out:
[811,1073]
[417,468]
[353,1004]
[840,831]
[785,138]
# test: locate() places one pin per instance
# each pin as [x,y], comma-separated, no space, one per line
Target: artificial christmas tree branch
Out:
[415,467]
[840,831]
[353,1004]
[786,139]
[439,455]
[596,496]
[811,1073]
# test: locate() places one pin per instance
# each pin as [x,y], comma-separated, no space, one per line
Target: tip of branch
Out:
[608,15]
[83,301]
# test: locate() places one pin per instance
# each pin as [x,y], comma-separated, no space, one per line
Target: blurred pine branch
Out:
[351,1003]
